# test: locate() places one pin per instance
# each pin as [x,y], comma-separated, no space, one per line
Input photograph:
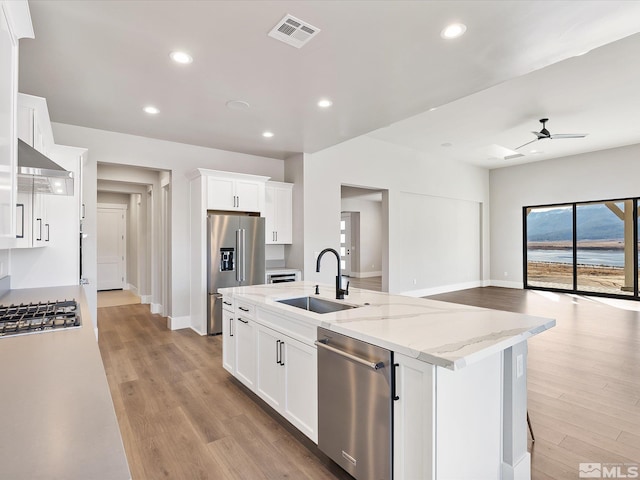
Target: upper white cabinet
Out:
[15,23]
[278,213]
[230,191]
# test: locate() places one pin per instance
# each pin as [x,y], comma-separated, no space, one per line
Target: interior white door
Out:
[345,243]
[111,248]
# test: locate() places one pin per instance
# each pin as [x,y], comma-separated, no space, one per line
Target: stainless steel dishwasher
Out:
[355,405]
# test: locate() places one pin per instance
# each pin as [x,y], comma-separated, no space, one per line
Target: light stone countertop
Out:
[58,418]
[440,333]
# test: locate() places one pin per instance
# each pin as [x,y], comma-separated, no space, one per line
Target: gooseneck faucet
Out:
[339,291]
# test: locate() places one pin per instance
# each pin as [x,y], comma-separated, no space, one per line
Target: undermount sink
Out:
[316,305]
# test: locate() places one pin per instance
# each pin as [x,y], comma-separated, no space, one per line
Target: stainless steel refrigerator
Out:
[235,257]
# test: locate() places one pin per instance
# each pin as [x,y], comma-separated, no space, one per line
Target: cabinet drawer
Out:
[227,303]
[244,309]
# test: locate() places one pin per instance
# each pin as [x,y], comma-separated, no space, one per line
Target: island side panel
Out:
[516,460]
[414,419]
[468,420]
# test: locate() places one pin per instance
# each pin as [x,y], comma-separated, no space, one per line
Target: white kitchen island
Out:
[460,375]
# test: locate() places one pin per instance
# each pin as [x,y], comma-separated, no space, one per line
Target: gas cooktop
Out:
[38,317]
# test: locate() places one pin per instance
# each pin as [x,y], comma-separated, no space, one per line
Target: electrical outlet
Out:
[519,366]
[506,274]
[415,281]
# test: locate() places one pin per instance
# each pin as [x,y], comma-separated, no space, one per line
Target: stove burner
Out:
[38,317]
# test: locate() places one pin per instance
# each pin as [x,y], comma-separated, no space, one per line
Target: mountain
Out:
[594,222]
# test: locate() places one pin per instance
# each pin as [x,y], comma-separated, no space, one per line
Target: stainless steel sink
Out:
[317,305]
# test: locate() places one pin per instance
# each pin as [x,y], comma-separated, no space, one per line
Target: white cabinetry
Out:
[245,335]
[228,191]
[228,340]
[15,23]
[278,213]
[32,225]
[279,368]
[287,378]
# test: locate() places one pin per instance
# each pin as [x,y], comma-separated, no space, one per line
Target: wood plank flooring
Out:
[183,417]
[583,377]
[369,283]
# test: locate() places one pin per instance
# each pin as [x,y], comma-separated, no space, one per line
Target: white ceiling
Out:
[382,63]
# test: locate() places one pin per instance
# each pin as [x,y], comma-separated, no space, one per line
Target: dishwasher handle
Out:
[361,361]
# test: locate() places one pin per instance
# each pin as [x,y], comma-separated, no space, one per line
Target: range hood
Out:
[39,174]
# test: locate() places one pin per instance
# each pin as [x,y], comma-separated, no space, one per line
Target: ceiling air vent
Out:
[293,31]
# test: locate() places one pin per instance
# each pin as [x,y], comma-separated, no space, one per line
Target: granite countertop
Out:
[59,420]
[440,333]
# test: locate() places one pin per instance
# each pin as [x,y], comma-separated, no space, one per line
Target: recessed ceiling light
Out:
[454,30]
[237,105]
[533,151]
[433,108]
[151,110]
[181,57]
[267,134]
[325,103]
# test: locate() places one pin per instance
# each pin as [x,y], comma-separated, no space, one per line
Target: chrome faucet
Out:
[339,291]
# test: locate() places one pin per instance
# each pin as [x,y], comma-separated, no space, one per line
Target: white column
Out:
[516,461]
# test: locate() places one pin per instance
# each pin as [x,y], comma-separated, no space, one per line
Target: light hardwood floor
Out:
[370,283]
[183,417]
[114,298]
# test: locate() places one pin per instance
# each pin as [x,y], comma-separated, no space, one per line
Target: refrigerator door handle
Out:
[243,254]
[239,250]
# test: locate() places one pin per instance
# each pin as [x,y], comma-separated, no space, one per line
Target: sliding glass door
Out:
[549,247]
[587,247]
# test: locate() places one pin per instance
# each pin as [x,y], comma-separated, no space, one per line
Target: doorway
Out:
[364,236]
[111,239]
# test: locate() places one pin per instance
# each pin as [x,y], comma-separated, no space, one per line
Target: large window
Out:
[587,247]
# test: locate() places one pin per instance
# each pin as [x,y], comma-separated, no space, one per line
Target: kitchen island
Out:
[460,372]
[59,420]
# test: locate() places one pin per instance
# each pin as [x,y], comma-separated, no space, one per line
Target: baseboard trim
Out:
[198,331]
[519,471]
[146,299]
[365,274]
[505,284]
[132,288]
[178,323]
[425,292]
[156,308]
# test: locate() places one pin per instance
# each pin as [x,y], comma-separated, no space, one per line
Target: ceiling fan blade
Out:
[568,135]
[540,135]
[525,144]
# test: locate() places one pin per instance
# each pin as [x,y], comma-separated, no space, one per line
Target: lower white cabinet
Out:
[245,335]
[280,369]
[287,379]
[228,342]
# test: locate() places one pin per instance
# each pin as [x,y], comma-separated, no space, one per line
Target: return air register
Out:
[293,31]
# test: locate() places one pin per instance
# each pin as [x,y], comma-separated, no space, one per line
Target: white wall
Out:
[368,162]
[603,175]
[112,197]
[294,173]
[370,254]
[178,158]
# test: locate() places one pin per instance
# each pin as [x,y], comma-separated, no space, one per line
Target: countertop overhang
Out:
[444,334]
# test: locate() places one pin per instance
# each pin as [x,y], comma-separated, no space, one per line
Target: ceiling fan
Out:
[544,133]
